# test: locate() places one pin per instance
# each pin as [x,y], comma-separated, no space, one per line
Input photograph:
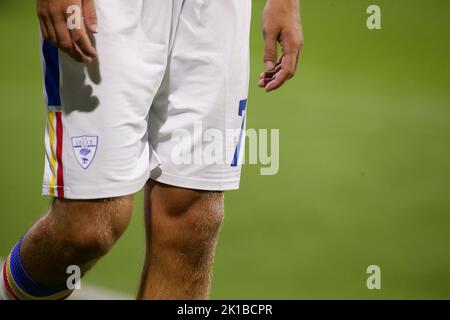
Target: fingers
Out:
[74,41]
[281,77]
[286,69]
[80,55]
[82,41]
[64,39]
[90,15]
[79,35]
[268,76]
[51,33]
[43,29]
[270,49]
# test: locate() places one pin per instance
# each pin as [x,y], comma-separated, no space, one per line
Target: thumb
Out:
[90,15]
[270,52]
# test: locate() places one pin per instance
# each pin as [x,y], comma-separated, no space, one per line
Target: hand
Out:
[52,18]
[281,23]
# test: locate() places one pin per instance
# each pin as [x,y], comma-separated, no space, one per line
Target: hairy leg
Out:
[182,229]
[73,233]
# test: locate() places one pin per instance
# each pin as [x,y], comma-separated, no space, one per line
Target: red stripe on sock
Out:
[59,147]
[5,280]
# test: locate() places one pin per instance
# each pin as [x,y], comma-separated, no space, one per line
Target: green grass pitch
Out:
[364,165]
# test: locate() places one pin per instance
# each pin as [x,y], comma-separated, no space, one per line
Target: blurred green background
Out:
[364,167]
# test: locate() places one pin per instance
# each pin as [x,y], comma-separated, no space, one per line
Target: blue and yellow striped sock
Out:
[17,284]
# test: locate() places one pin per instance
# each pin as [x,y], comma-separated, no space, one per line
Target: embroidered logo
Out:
[85,148]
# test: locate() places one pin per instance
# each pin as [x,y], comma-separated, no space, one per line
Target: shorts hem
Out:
[196,184]
[97,192]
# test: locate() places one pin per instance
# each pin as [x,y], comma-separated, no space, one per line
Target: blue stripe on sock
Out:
[51,74]
[24,281]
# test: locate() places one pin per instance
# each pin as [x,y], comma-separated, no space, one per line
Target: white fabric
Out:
[162,66]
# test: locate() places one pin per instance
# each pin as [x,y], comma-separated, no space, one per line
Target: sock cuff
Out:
[24,282]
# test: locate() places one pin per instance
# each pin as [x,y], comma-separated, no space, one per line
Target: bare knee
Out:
[191,219]
[73,233]
[90,228]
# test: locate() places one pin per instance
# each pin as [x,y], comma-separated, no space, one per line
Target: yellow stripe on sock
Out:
[51,134]
[22,295]
[12,283]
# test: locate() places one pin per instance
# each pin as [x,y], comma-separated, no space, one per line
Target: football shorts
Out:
[165,99]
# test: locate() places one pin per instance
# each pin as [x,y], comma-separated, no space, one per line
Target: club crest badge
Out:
[85,148]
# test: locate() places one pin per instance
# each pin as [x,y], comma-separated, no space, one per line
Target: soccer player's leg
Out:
[97,153]
[72,233]
[202,96]
[182,230]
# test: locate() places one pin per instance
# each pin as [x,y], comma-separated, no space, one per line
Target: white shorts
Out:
[170,82]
